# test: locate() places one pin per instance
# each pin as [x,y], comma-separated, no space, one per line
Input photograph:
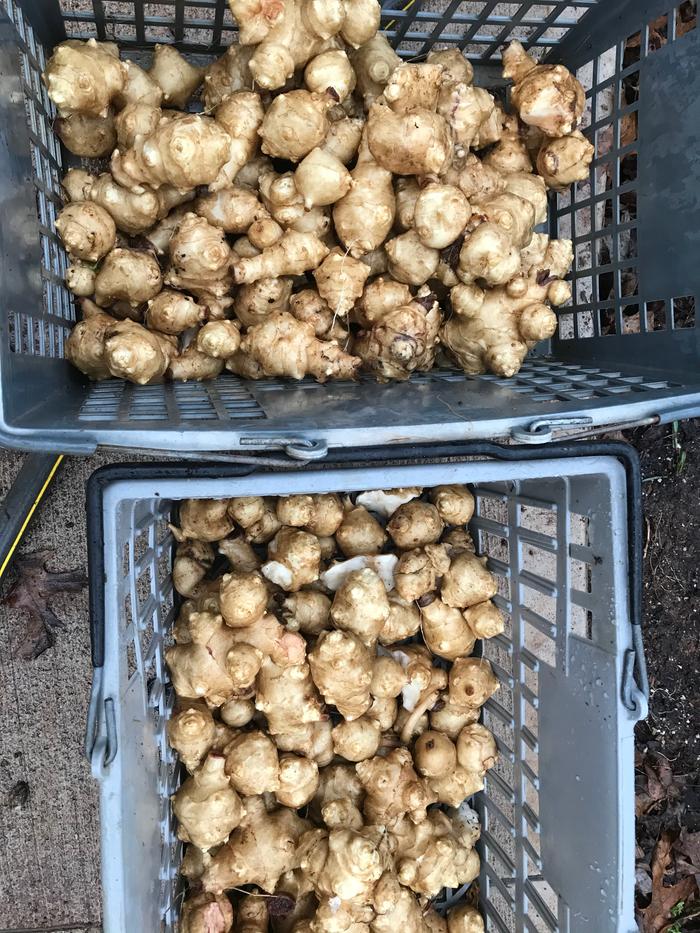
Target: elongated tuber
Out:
[364,216]
[374,62]
[294,254]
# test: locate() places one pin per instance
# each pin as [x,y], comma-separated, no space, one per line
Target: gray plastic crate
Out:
[627,349]
[558,810]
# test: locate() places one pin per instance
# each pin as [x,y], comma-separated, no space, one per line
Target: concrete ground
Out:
[49,820]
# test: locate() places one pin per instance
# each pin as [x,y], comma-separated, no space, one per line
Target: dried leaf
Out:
[450,255]
[688,846]
[280,905]
[31,592]
[426,301]
[628,128]
[656,916]
[18,795]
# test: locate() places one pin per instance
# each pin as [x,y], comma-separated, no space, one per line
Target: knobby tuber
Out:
[325,705]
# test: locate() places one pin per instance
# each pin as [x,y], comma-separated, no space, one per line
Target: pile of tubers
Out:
[327,700]
[330,209]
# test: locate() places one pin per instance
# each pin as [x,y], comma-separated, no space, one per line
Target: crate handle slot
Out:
[542,430]
[298,448]
[101,743]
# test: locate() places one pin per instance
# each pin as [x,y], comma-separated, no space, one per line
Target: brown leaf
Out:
[688,845]
[280,905]
[628,128]
[31,592]
[18,795]
[656,916]
[450,255]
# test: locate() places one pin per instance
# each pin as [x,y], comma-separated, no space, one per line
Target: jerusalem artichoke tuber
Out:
[87,230]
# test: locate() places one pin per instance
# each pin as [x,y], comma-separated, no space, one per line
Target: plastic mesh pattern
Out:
[41,334]
[600,214]
[206,25]
[146,597]
[534,545]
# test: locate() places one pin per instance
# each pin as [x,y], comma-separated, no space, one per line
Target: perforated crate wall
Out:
[627,348]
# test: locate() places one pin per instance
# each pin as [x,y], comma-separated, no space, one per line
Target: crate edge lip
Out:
[80,441]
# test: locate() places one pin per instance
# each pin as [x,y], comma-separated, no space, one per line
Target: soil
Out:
[667,758]
[670,457]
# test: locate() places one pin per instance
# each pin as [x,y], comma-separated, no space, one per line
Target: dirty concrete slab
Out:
[49,821]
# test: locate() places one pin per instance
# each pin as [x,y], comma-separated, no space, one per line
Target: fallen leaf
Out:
[31,592]
[656,916]
[688,847]
[18,795]
[628,128]
[280,905]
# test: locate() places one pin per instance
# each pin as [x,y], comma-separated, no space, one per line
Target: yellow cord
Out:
[403,8]
[28,517]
